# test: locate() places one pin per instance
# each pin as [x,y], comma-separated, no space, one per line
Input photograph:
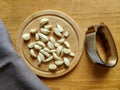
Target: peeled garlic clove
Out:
[56,57]
[50,45]
[36,36]
[62,52]
[43,37]
[45,53]
[66,61]
[44,31]
[49,59]
[48,27]
[52,67]
[32,53]
[26,36]
[59,27]
[72,54]
[66,43]
[57,44]
[59,63]
[33,31]
[43,21]
[42,57]
[46,49]
[66,51]
[52,40]
[39,60]
[58,50]
[66,34]
[51,51]
[56,32]
[42,44]
[31,45]
[60,41]
[37,47]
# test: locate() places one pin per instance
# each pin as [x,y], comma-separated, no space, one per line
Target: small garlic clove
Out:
[58,50]
[66,62]
[33,31]
[66,43]
[66,34]
[72,54]
[50,45]
[66,51]
[52,40]
[43,21]
[42,57]
[32,53]
[51,51]
[56,57]
[46,49]
[44,31]
[37,47]
[56,32]
[59,63]
[39,60]
[59,27]
[52,67]
[43,37]
[60,41]
[48,27]
[42,44]
[57,44]
[31,45]
[62,52]
[45,53]
[36,36]
[26,36]
[49,59]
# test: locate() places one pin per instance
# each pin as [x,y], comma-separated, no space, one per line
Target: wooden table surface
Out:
[86,76]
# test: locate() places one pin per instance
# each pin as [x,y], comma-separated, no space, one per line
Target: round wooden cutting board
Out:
[56,17]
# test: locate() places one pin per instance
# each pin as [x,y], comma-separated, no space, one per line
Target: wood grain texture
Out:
[86,76]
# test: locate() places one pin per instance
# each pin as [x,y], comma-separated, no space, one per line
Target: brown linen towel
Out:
[14,73]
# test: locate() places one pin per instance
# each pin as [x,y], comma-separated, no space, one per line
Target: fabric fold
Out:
[14,73]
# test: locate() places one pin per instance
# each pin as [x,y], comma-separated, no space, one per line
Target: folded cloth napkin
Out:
[14,73]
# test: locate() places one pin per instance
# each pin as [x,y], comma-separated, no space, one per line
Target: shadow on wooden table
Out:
[98,71]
